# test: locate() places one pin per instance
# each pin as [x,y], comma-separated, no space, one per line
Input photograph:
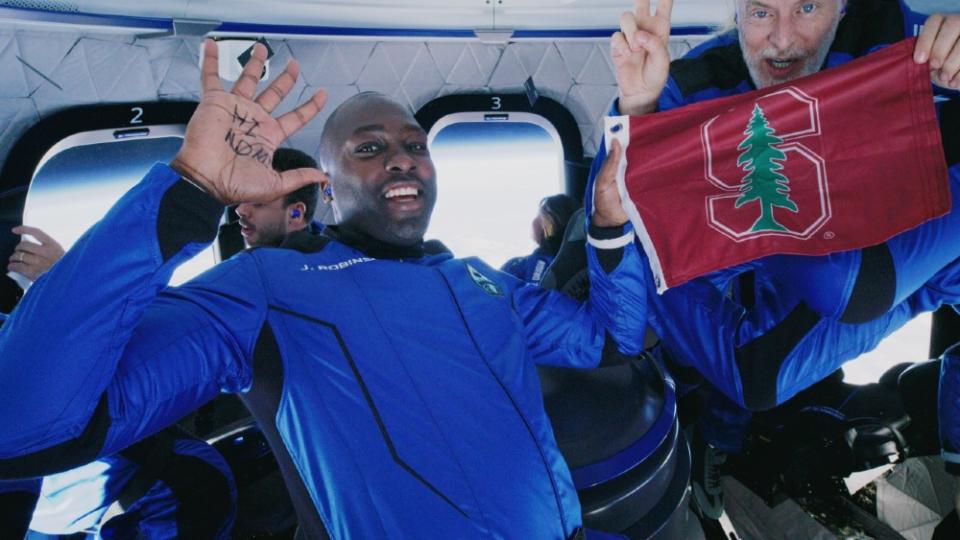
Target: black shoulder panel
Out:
[263,401]
[950,131]
[760,360]
[721,67]
[875,288]
[305,241]
[186,215]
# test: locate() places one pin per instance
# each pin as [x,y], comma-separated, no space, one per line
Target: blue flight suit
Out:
[529,268]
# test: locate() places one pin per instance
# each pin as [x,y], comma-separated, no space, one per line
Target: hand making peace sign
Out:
[640,56]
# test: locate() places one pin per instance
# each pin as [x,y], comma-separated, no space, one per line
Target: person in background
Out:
[548,229]
[267,224]
[33,257]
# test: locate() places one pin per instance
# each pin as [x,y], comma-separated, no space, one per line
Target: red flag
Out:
[842,159]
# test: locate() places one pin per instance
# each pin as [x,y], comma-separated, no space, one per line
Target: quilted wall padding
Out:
[47,71]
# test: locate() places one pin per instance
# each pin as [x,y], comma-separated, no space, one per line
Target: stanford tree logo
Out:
[764,159]
[763,181]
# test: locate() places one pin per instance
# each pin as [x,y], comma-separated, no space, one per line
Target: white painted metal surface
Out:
[449,14]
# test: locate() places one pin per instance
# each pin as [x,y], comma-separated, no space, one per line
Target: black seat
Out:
[919,387]
[264,509]
[568,271]
[618,431]
[823,434]
[616,426]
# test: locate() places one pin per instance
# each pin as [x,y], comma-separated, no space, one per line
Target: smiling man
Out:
[382,192]
[396,384]
[779,45]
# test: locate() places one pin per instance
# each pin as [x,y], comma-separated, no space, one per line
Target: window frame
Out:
[27,153]
[90,138]
[554,113]
[480,117]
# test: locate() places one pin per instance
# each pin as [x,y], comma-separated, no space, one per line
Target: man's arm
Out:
[762,356]
[95,356]
[563,332]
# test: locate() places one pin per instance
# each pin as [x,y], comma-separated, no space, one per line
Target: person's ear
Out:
[298,212]
[326,191]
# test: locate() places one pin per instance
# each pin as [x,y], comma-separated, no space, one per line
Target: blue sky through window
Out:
[76,186]
[491,177]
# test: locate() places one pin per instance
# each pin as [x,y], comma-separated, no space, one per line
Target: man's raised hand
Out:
[640,56]
[229,144]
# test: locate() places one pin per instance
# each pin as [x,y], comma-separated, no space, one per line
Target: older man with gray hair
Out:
[810,314]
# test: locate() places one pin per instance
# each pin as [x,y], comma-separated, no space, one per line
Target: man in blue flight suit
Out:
[396,384]
[762,332]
